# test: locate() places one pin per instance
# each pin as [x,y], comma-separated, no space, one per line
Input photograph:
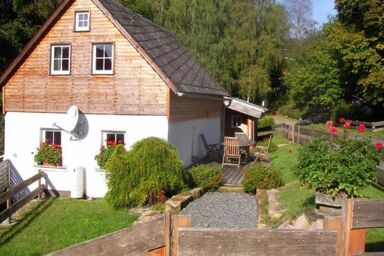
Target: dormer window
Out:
[60,59]
[102,59]
[82,21]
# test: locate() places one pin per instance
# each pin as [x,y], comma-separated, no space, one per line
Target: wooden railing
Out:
[12,191]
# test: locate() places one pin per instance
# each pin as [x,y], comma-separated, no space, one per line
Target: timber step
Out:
[231,188]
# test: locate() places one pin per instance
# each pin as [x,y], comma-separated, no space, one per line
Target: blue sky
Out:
[321,10]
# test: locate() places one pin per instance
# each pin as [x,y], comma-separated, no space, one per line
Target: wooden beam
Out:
[334,223]
[179,221]
[368,214]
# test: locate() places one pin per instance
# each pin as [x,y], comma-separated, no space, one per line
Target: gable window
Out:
[51,137]
[102,61]
[111,138]
[82,21]
[60,59]
[236,121]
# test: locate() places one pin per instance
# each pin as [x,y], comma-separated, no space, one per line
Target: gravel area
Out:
[223,210]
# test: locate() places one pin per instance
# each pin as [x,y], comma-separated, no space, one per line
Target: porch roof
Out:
[246,107]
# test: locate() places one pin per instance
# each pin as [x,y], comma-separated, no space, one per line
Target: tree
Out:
[300,14]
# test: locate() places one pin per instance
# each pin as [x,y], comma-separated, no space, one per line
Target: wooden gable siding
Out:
[135,88]
[186,108]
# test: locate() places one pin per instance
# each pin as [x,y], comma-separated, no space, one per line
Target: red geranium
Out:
[329,124]
[379,145]
[347,125]
[334,130]
[361,128]
[342,120]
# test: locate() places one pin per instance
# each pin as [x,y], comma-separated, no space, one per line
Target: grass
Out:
[294,197]
[58,223]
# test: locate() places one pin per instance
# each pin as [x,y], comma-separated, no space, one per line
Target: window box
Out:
[49,153]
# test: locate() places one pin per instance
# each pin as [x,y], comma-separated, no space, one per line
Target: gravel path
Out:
[223,210]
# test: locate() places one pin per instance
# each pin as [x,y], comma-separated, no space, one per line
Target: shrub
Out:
[147,174]
[260,176]
[347,166]
[105,153]
[206,177]
[48,154]
[265,122]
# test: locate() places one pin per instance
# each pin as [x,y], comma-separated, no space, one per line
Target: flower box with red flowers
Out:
[106,152]
[49,155]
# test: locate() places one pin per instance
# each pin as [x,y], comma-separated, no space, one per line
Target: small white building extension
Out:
[129,79]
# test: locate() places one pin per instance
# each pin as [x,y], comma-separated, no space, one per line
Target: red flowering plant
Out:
[343,166]
[106,152]
[49,154]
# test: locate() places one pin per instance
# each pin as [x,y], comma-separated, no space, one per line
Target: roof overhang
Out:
[245,107]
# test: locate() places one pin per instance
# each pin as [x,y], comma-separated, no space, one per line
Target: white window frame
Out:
[60,72]
[104,136]
[77,20]
[102,72]
[43,135]
[233,119]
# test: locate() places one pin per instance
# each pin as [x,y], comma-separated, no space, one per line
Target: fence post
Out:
[167,233]
[179,221]
[298,134]
[9,205]
[38,185]
[334,223]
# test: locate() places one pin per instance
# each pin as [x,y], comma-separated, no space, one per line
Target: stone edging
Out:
[177,202]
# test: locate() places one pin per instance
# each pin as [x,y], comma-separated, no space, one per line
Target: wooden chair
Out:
[210,148]
[263,151]
[244,146]
[231,155]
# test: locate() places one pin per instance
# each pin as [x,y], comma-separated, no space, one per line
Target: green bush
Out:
[342,109]
[260,176]
[103,156]
[265,122]
[346,167]
[207,177]
[147,174]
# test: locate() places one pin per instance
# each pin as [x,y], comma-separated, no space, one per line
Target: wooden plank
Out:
[167,233]
[368,214]
[136,240]
[357,241]
[20,186]
[199,241]
[179,221]
[8,212]
[334,223]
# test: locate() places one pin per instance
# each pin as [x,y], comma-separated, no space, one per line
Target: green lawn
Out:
[296,198]
[58,223]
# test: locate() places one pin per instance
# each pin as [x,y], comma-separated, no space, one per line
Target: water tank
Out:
[79,183]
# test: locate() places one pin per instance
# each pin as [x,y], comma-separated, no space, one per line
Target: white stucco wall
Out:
[185,136]
[22,137]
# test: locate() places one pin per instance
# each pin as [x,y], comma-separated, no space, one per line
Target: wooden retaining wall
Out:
[136,240]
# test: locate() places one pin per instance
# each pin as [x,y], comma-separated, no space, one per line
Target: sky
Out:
[321,10]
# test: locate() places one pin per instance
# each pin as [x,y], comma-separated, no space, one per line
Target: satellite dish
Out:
[71,119]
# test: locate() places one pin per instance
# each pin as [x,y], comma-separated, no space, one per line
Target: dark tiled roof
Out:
[171,57]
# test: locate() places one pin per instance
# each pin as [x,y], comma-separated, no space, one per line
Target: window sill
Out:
[51,168]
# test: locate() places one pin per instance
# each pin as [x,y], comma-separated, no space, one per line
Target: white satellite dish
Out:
[71,119]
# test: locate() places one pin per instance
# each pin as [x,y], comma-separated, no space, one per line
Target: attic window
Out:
[60,59]
[102,62]
[82,21]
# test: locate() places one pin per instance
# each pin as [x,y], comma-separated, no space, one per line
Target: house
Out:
[129,78]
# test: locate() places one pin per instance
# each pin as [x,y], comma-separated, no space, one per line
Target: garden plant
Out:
[206,177]
[260,176]
[48,154]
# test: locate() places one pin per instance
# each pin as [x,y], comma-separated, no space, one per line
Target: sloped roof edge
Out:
[246,107]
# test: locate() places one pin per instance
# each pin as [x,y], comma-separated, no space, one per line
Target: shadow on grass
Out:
[26,221]
[375,247]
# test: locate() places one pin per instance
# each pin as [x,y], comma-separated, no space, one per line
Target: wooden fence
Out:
[137,240]
[374,126]
[341,236]
[12,191]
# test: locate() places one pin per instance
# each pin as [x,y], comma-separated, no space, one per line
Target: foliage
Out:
[105,153]
[260,176]
[206,177]
[265,122]
[314,78]
[147,174]
[54,224]
[345,167]
[50,154]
